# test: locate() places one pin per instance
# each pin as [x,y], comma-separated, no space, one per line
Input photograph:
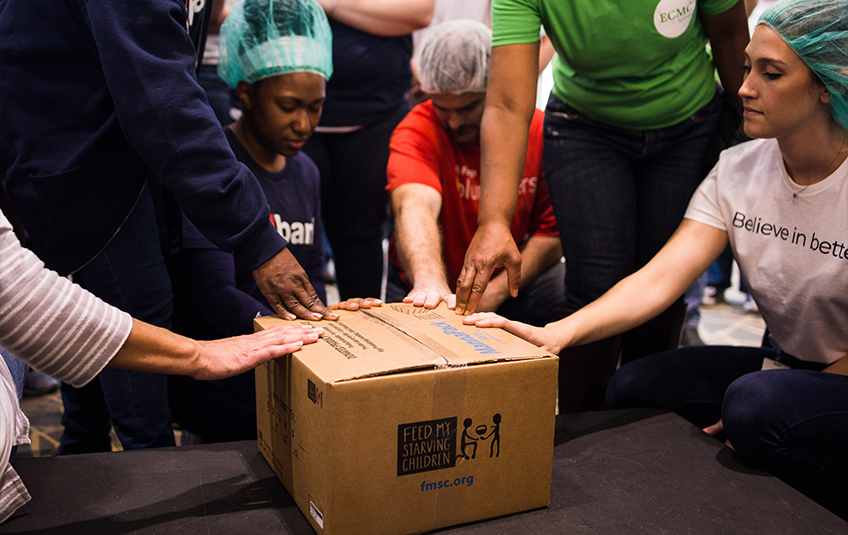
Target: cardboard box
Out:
[403,420]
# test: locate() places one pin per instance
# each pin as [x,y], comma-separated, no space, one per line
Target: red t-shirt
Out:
[421,152]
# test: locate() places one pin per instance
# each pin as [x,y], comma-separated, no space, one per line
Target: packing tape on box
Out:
[442,356]
[450,381]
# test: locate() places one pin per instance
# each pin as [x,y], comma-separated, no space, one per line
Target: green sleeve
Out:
[716,7]
[515,22]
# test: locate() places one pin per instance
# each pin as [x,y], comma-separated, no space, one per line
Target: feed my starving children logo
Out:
[433,445]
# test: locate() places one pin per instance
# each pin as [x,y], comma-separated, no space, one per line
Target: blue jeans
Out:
[793,423]
[617,194]
[129,274]
[18,369]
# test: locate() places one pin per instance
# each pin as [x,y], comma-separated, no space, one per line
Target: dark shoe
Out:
[39,384]
[690,337]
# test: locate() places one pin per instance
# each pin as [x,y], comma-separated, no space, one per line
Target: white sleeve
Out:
[704,207]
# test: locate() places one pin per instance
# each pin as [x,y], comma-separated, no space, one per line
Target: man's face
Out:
[460,115]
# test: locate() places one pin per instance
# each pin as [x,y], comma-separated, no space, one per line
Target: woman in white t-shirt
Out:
[781,202]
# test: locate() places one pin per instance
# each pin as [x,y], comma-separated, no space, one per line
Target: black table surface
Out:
[614,472]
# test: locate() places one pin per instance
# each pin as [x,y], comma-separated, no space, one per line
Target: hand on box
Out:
[491,247]
[219,359]
[535,335]
[430,295]
[355,303]
[286,287]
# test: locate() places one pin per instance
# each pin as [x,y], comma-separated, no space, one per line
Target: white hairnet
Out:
[455,57]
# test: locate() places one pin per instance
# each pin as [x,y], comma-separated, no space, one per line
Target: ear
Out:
[825,95]
[244,91]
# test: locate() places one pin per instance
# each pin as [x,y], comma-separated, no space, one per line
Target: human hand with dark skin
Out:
[286,287]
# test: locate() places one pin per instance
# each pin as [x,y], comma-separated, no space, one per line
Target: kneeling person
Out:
[278,57]
[434,187]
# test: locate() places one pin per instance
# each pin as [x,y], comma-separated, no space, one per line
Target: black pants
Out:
[354,201]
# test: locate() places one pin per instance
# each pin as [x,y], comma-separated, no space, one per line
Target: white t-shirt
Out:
[791,243]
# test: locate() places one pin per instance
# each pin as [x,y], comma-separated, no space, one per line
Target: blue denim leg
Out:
[690,381]
[794,423]
[18,369]
[618,194]
[539,303]
[131,275]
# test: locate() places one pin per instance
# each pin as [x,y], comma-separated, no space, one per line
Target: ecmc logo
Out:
[672,17]
[432,445]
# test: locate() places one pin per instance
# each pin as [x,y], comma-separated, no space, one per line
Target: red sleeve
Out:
[414,150]
[542,221]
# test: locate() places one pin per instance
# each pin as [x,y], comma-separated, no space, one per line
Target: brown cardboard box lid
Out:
[399,338]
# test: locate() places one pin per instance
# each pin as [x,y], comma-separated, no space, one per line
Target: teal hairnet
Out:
[262,38]
[817,30]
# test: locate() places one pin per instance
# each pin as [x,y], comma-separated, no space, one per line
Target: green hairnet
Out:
[455,57]
[817,30]
[262,38]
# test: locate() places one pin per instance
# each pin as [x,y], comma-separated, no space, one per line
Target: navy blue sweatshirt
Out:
[95,97]
[223,289]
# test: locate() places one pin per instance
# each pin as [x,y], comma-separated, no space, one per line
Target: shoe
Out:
[690,337]
[712,296]
[39,384]
[750,305]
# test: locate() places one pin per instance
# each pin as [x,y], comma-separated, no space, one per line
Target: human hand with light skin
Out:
[418,238]
[153,349]
[357,303]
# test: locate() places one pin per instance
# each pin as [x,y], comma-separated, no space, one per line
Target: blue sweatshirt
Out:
[97,96]
[223,290]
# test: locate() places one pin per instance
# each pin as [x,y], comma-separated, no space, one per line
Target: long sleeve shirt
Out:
[98,97]
[56,327]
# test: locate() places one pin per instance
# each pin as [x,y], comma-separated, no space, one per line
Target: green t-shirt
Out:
[636,64]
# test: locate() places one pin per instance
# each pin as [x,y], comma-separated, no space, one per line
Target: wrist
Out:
[332,5]
[194,365]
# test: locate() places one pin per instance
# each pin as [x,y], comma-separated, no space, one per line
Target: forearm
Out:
[153,349]
[419,243]
[728,36]
[510,103]
[649,291]
[387,18]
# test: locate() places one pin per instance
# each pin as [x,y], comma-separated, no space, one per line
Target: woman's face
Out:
[282,111]
[781,95]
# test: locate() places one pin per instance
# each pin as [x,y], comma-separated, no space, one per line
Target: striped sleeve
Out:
[52,324]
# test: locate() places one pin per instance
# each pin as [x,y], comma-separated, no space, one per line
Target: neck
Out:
[809,159]
[267,159]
